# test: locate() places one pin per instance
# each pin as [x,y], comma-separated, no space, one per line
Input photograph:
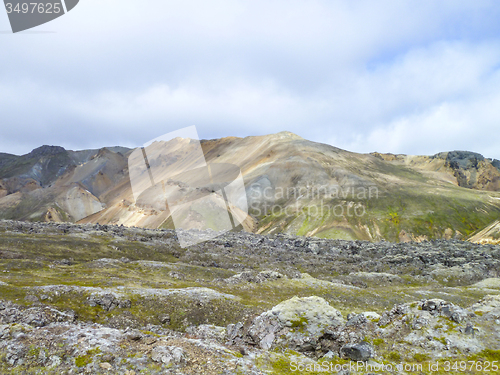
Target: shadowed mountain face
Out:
[53,184]
[43,165]
[293,186]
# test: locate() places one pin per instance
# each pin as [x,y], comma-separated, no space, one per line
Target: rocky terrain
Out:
[102,299]
[293,186]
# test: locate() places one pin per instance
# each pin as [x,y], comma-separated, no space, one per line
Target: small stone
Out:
[135,336]
[469,330]
[177,275]
[31,298]
[350,316]
[167,354]
[165,319]
[267,341]
[371,316]
[125,304]
[356,320]
[430,305]
[105,366]
[329,355]
[108,358]
[233,331]
[55,361]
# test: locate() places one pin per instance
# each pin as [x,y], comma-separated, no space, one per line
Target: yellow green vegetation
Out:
[84,360]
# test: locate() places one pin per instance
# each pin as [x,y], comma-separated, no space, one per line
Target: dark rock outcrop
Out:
[362,351]
[46,150]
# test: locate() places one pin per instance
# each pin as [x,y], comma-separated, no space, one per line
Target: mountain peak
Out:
[47,150]
[287,134]
[496,164]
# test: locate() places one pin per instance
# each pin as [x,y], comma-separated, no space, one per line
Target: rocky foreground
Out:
[96,299]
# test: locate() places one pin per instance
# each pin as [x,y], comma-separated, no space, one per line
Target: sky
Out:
[412,77]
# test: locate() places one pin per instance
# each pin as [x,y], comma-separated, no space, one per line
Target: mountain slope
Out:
[489,235]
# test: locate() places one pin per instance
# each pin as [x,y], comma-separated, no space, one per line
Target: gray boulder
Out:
[297,323]
[168,354]
[362,351]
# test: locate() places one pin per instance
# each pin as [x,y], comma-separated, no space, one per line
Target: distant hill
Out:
[293,186]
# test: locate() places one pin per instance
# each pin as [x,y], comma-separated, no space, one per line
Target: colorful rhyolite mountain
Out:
[293,186]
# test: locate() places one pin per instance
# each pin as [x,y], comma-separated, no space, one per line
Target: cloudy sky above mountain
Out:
[414,77]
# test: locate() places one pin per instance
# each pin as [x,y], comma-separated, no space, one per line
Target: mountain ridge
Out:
[447,195]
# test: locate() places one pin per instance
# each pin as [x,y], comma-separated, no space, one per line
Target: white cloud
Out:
[441,98]
[389,76]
